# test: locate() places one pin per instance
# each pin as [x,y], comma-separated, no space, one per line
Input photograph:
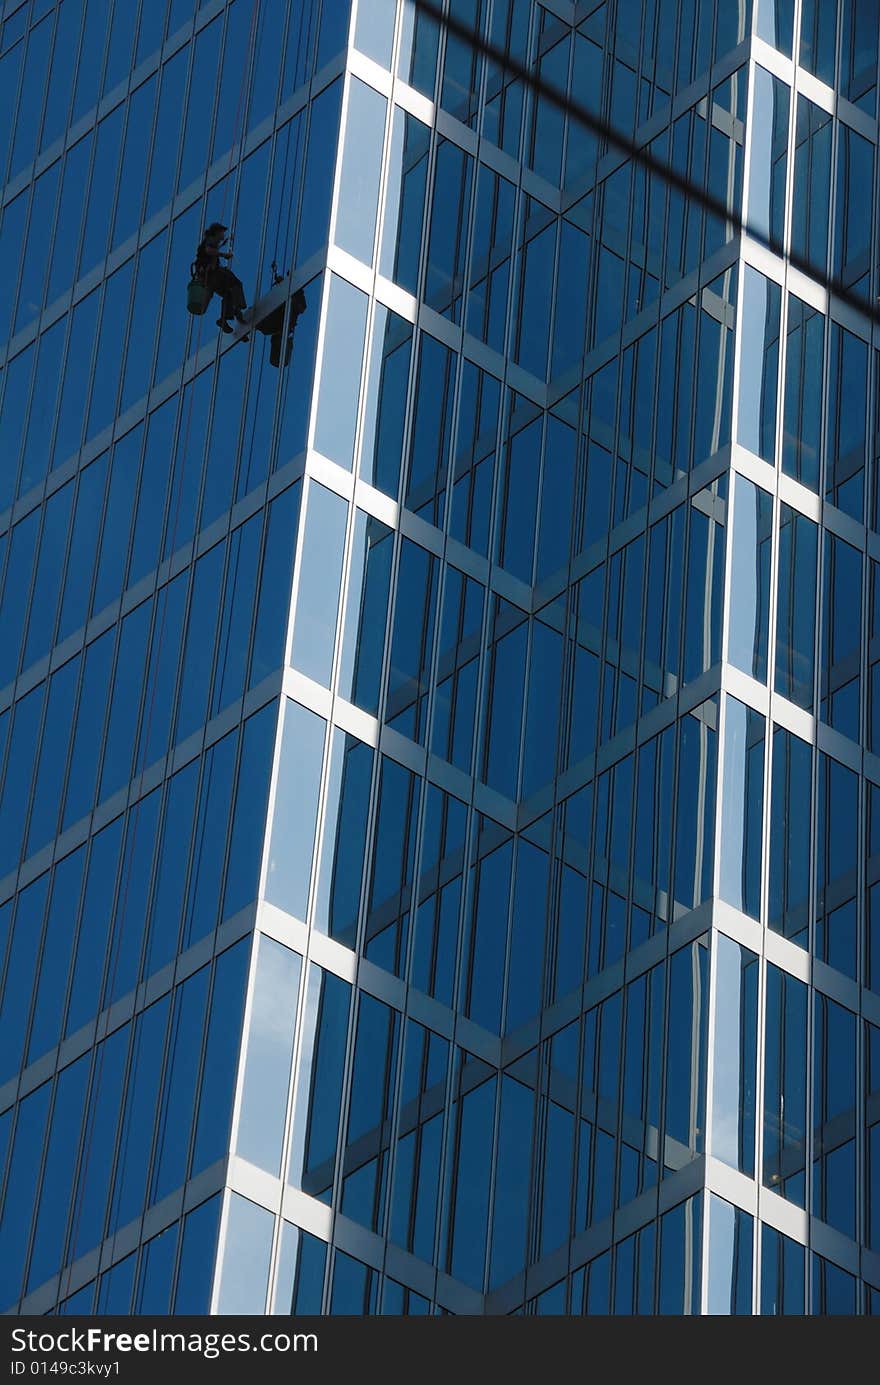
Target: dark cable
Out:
[642,156]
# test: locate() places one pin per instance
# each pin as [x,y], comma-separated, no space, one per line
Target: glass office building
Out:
[440,779]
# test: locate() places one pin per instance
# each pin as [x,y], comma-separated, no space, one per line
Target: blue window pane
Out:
[426,482]
[812,174]
[27,125]
[117,1287]
[309,1282]
[83,548]
[69,428]
[62,263]
[172,863]
[198,1246]
[152,495]
[750,579]
[385,401]
[20,969]
[340,383]
[785,1096]
[13,608]
[686,1051]
[314,632]
[512,1181]
[768,138]
[123,467]
[796,602]
[269,1051]
[312,1155]
[211,830]
[361,169]
[125,701]
[90,57]
[179,1085]
[49,575]
[200,637]
[135,158]
[166,134]
[370,1105]
[58,1173]
[91,946]
[21,1187]
[405,200]
[156,1271]
[12,227]
[476,1111]
[846,443]
[247,1249]
[415,616]
[129,1189]
[163,661]
[742,816]
[56,954]
[782,1274]
[447,242]
[315,214]
[354,1288]
[388,903]
[129,924]
[374,30]
[834,1291]
[343,853]
[52,762]
[275,581]
[296,810]
[249,811]
[759,362]
[235,620]
[363,640]
[96,1166]
[221,1057]
[33,271]
[680,1237]
[735,1050]
[834,1115]
[729,1266]
[203,78]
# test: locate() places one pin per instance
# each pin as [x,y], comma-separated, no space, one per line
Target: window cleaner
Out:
[208,276]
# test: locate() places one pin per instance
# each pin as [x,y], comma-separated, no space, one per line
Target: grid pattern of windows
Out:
[505,667]
[149,507]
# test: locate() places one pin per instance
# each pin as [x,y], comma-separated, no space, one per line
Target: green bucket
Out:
[197,297]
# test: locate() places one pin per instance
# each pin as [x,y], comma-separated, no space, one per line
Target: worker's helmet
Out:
[215,226]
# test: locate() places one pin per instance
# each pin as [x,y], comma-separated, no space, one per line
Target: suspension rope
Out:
[119,921]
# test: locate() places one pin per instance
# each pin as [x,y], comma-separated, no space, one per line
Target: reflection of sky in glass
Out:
[744,616]
[760,152]
[248,1244]
[339,387]
[755,305]
[722,1256]
[314,633]
[296,808]
[734,804]
[727,1079]
[299,1128]
[361,169]
[269,1051]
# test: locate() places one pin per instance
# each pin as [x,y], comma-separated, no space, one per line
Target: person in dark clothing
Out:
[219,278]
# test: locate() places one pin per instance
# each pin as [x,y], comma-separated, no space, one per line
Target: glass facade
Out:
[440,776]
